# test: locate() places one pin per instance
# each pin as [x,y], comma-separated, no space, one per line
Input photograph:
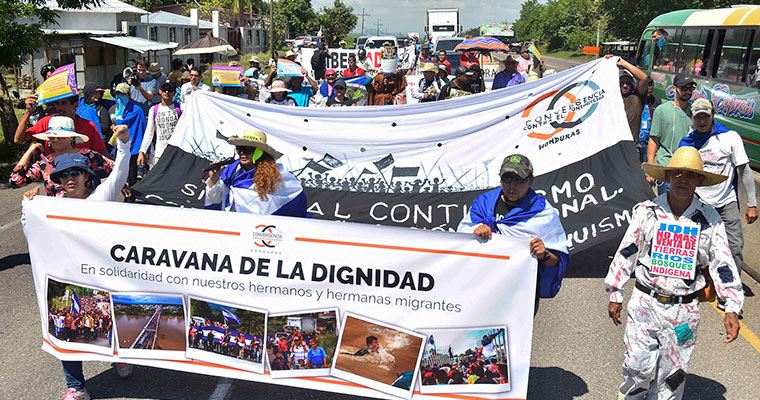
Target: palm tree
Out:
[239,8]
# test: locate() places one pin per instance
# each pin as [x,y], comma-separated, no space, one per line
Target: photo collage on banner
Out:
[381,356]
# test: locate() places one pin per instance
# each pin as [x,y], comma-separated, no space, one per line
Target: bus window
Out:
[643,56]
[667,49]
[753,66]
[695,50]
[732,54]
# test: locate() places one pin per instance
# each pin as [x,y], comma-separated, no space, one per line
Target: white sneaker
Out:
[73,394]
[124,370]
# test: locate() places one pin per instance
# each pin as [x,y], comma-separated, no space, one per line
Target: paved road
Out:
[577,351]
[559,64]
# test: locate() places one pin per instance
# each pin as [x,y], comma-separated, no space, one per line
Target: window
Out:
[753,67]
[643,57]
[173,34]
[249,37]
[188,35]
[732,54]
[695,51]
[133,31]
[154,33]
[667,49]
[443,28]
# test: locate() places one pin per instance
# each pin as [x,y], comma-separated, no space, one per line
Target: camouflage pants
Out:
[659,339]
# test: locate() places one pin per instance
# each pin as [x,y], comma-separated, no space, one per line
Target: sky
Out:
[460,340]
[409,15]
[146,299]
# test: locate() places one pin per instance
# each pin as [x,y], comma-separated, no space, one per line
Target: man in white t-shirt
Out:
[723,153]
[188,88]
[162,118]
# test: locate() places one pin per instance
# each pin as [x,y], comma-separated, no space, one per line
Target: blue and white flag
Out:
[229,316]
[76,306]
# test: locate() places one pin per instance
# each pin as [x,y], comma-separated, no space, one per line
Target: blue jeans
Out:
[662,187]
[72,371]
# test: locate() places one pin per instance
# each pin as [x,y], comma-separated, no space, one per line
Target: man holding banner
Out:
[672,243]
[514,209]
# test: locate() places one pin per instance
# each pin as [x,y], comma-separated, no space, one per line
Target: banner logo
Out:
[267,236]
[557,110]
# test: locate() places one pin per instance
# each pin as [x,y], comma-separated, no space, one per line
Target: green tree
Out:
[529,25]
[292,18]
[20,35]
[336,22]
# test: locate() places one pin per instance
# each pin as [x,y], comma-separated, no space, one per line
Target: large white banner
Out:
[339,58]
[236,294]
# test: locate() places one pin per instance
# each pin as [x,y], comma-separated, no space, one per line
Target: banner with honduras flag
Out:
[229,316]
[423,165]
[76,305]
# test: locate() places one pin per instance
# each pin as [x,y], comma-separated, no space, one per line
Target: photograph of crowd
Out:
[227,334]
[148,321]
[79,315]
[302,343]
[465,361]
[378,355]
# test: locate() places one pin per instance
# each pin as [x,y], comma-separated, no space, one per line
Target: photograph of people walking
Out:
[79,317]
[149,325]
[302,343]
[226,334]
[465,361]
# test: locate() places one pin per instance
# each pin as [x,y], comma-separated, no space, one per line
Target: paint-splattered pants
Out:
[654,350]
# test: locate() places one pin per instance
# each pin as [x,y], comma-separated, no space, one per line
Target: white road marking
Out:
[9,225]
[222,389]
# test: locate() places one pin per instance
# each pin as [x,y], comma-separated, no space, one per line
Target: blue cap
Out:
[72,160]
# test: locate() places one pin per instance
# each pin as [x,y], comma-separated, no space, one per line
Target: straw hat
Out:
[254,138]
[428,67]
[155,68]
[61,127]
[685,158]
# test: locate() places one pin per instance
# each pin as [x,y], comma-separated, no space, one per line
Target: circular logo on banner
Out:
[557,110]
[267,236]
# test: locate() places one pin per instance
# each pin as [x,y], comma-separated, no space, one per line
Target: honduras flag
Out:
[532,217]
[234,192]
[229,316]
[76,306]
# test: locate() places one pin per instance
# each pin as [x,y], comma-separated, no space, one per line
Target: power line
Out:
[378,24]
[363,14]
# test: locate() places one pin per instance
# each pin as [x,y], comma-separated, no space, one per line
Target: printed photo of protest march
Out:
[79,315]
[225,333]
[465,361]
[378,355]
[302,343]
[148,321]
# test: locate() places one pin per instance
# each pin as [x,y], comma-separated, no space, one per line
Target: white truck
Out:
[442,22]
[304,324]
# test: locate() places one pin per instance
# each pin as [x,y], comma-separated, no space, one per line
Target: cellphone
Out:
[675,379]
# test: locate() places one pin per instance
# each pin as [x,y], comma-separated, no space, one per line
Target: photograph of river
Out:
[147,321]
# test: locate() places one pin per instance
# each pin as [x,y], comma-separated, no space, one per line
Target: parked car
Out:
[376,42]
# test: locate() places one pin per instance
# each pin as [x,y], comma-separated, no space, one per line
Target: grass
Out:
[570,55]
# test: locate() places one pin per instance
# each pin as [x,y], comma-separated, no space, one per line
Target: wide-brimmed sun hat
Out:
[428,67]
[155,68]
[685,158]
[72,160]
[254,138]
[278,86]
[61,127]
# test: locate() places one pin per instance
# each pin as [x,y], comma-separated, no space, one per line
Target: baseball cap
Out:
[683,79]
[701,106]
[461,71]
[517,164]
[122,88]
[340,83]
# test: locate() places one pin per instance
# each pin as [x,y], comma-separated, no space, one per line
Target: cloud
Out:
[410,16]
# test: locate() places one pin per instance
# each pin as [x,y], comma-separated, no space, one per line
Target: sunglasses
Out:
[512,178]
[331,76]
[244,150]
[70,173]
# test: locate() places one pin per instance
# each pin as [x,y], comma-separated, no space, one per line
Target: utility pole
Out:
[271,27]
[363,14]
[378,24]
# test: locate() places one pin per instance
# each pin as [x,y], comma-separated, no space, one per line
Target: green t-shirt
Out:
[670,124]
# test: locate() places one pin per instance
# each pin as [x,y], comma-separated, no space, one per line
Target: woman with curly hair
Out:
[255,183]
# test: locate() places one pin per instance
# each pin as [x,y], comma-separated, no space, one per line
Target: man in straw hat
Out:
[255,183]
[429,86]
[672,243]
[722,151]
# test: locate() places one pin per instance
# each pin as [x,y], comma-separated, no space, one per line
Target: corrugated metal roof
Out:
[106,6]
[137,44]
[49,31]
[163,17]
